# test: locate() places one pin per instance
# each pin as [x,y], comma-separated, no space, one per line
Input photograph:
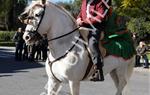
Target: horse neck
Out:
[61,23]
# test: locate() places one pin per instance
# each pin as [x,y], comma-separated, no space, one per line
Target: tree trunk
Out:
[6,22]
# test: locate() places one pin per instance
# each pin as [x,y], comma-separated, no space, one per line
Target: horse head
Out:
[32,17]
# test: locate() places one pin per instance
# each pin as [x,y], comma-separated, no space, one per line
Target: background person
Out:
[38,48]
[44,47]
[31,52]
[18,39]
[141,53]
[25,51]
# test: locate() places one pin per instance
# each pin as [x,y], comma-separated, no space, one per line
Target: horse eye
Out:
[30,17]
[37,15]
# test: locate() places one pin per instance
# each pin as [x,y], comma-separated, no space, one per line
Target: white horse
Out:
[54,21]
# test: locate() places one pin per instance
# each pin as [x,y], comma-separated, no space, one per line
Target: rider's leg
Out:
[94,37]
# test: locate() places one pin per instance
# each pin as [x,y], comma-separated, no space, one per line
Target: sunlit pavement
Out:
[29,78]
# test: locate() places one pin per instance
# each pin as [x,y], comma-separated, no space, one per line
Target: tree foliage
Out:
[5,7]
[139,25]
[9,10]
[134,7]
[73,7]
[138,11]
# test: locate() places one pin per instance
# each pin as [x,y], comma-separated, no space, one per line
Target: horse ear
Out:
[43,2]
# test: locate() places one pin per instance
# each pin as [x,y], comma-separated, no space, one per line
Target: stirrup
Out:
[98,76]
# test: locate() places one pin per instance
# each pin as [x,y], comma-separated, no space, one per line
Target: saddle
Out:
[83,31]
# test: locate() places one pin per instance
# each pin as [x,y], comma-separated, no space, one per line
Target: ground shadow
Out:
[9,65]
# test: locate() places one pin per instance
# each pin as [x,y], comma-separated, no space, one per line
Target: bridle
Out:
[42,16]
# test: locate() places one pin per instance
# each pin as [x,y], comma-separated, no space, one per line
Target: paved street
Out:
[29,78]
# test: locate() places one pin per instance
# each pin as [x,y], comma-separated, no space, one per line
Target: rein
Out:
[58,36]
[64,34]
[70,49]
[66,52]
[51,62]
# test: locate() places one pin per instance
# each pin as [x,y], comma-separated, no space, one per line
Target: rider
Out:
[92,15]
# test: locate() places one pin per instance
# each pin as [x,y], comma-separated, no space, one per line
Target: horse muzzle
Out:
[27,38]
[31,36]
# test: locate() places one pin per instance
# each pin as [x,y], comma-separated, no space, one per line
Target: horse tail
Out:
[128,76]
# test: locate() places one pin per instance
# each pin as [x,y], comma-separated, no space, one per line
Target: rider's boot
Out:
[98,76]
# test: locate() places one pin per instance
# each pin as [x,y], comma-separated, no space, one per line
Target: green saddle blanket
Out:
[117,40]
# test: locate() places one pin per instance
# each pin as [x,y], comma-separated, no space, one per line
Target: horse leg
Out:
[74,87]
[114,77]
[117,81]
[128,73]
[53,86]
[122,80]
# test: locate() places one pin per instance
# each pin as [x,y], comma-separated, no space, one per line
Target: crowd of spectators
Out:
[37,51]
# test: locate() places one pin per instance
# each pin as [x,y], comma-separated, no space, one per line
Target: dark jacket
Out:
[141,50]
[18,38]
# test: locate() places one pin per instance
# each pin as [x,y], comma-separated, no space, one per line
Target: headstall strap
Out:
[42,16]
[64,34]
[50,65]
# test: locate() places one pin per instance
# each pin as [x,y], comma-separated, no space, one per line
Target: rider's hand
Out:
[79,21]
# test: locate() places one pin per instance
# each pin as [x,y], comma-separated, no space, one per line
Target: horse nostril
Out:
[27,37]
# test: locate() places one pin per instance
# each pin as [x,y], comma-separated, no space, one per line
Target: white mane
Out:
[31,6]
[62,9]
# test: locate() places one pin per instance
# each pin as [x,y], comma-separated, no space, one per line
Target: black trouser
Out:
[93,41]
[31,52]
[137,61]
[25,51]
[138,57]
[18,51]
[44,51]
[146,64]
[38,51]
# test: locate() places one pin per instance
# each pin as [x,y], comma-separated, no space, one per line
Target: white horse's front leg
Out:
[53,84]
[53,87]
[74,87]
